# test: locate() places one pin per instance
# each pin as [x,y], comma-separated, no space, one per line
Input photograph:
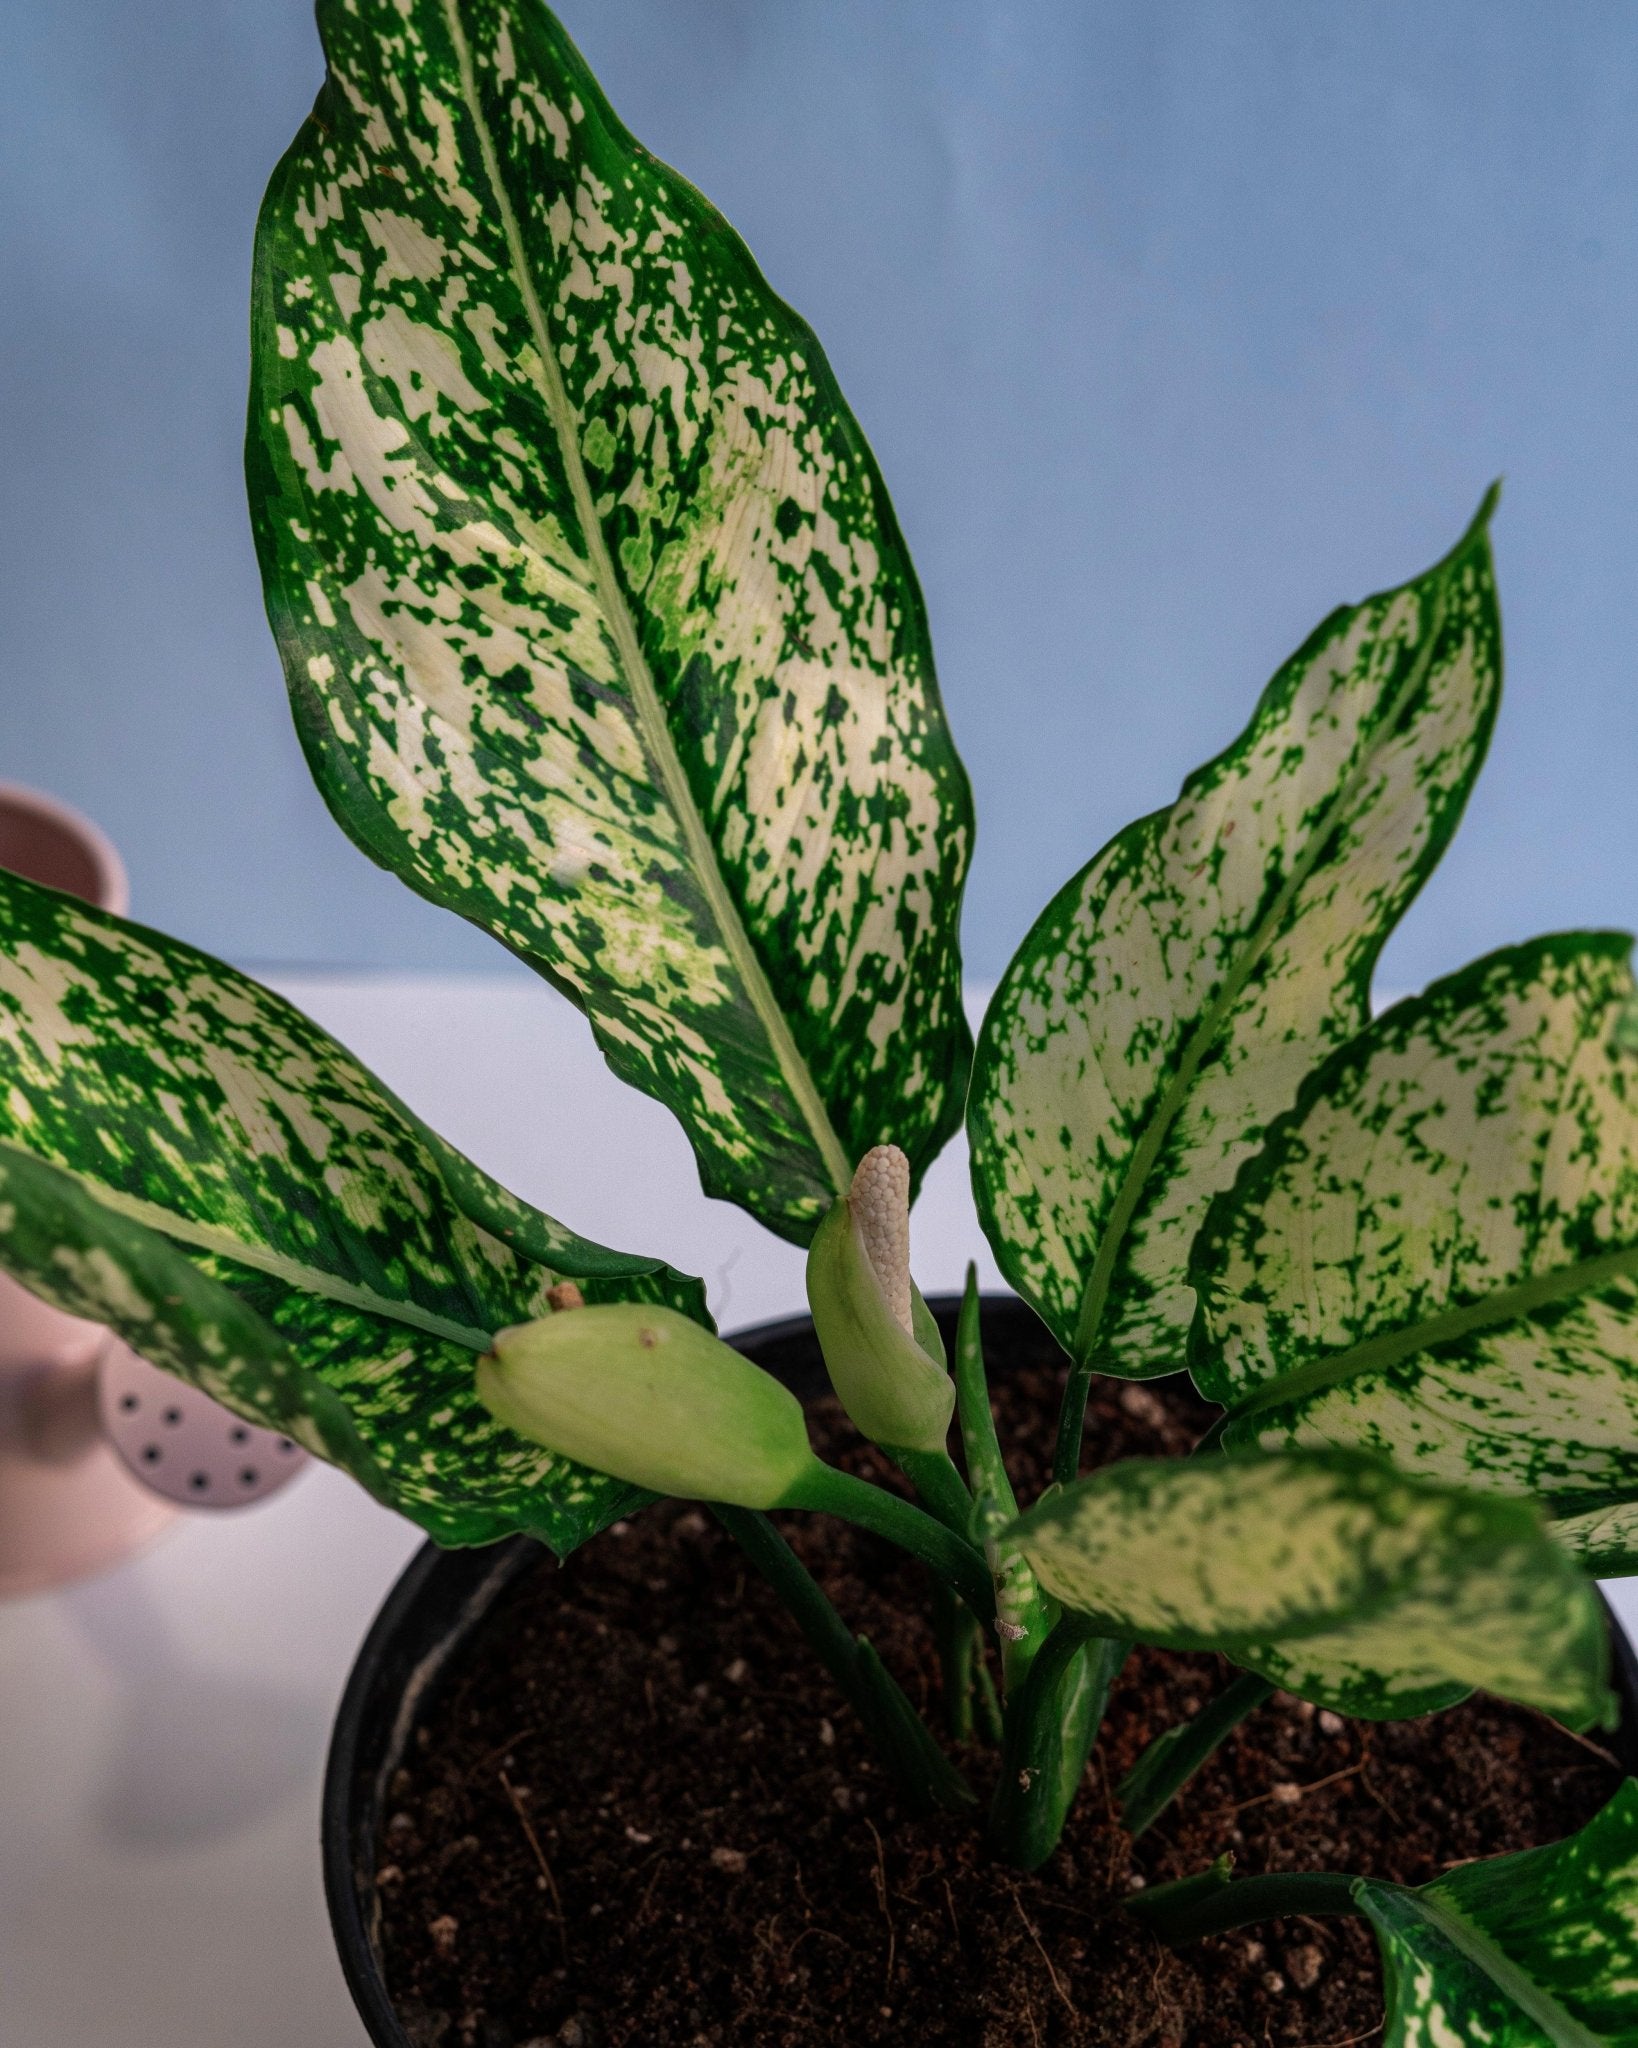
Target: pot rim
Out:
[349,1865]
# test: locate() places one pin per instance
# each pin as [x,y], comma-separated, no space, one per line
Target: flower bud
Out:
[649,1397]
[864,1309]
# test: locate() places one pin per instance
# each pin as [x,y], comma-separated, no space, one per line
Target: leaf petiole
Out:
[1024,1617]
[942,1489]
[1172,1759]
[829,1491]
[958,1654]
[1211,1901]
[1051,1724]
[985,1465]
[901,1739]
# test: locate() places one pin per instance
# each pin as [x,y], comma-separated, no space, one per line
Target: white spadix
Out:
[869,1316]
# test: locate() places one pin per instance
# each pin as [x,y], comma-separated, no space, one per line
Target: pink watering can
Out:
[97,1448]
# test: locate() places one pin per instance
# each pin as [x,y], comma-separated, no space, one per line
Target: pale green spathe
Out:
[893,1392]
[649,1397]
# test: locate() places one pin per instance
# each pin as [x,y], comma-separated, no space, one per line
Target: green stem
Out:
[1211,1902]
[942,1489]
[985,1466]
[958,1641]
[1172,1759]
[1066,1459]
[991,1721]
[1213,1438]
[934,1780]
[829,1637]
[1023,1615]
[1050,1728]
[832,1492]
[924,1774]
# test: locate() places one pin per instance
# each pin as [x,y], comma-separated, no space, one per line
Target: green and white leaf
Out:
[1605,1538]
[597,621]
[1172,997]
[1353,1585]
[91,1261]
[1436,1254]
[187,1100]
[1538,1950]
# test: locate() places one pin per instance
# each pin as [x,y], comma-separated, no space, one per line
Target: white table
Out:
[163,1728]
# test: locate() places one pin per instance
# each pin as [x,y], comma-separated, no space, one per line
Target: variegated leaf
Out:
[1436,1254]
[1538,1950]
[91,1261]
[185,1098]
[1169,1001]
[1346,1582]
[1605,1537]
[597,621]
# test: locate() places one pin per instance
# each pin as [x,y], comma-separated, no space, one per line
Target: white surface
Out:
[163,1729]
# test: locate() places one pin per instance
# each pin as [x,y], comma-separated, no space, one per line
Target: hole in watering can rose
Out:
[172,1417]
[200,1482]
[129,1403]
[248,1476]
[151,1454]
[285,1446]
[238,1434]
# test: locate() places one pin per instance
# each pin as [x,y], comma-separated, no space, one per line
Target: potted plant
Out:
[600,631]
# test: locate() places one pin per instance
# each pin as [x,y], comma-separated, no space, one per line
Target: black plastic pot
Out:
[442,1597]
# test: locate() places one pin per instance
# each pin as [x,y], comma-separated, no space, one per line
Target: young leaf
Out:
[1346,1582]
[1537,1950]
[1171,998]
[597,621]
[185,1098]
[1436,1254]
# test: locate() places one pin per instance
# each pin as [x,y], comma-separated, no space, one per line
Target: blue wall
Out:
[1173,326]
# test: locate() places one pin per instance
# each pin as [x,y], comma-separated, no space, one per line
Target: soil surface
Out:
[640,1816]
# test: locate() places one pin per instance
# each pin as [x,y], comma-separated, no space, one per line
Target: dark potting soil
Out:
[640,1816]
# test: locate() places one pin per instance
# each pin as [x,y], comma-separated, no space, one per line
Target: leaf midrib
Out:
[1534,2000]
[210,1237]
[1135,1180]
[628,648]
[1505,1305]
